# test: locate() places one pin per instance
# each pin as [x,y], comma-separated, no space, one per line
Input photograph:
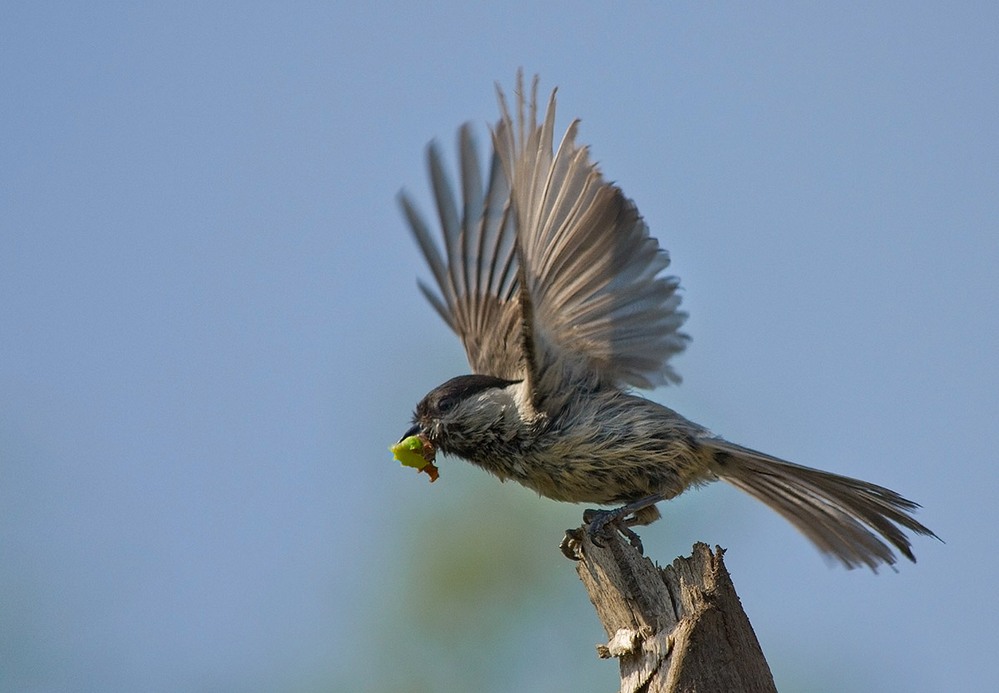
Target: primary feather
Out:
[549,264]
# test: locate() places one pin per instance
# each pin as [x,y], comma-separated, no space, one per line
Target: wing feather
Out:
[476,272]
[547,272]
[592,271]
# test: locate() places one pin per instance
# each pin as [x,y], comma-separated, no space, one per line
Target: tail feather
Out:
[846,518]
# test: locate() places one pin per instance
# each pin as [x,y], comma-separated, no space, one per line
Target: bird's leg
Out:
[640,512]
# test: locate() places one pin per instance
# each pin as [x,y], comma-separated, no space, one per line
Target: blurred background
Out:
[210,333]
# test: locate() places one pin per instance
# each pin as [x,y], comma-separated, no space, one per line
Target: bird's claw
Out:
[599,520]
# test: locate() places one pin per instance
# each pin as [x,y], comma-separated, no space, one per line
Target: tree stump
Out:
[678,628]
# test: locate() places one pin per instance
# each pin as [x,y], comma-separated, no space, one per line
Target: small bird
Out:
[553,283]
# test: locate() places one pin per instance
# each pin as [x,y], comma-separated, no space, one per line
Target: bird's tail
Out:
[848,519]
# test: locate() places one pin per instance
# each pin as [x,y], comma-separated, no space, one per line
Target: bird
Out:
[551,279]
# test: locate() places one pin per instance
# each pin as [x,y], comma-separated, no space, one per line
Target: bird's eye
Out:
[446,404]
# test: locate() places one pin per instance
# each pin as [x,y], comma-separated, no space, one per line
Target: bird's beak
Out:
[411,432]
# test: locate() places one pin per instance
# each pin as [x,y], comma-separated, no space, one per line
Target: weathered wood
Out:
[673,629]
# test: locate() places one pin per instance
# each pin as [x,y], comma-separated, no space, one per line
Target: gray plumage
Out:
[550,278]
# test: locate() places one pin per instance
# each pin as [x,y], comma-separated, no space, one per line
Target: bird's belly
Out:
[606,478]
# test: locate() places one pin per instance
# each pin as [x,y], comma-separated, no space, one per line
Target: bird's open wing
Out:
[548,273]
[592,294]
[477,275]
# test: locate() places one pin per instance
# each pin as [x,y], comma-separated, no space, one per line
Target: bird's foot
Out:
[598,521]
[640,512]
[572,543]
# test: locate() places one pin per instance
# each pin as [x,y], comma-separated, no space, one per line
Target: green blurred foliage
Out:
[477,596]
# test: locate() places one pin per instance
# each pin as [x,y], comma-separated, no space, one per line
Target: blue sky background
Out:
[209,333]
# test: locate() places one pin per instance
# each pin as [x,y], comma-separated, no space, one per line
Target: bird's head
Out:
[467,413]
